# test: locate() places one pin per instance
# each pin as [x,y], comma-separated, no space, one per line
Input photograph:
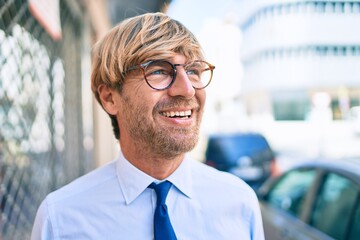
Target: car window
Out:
[332,209]
[290,191]
[355,229]
[232,147]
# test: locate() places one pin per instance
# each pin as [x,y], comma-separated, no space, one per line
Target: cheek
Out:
[201,96]
[141,94]
[146,101]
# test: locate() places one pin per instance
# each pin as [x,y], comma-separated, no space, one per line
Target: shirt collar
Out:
[133,181]
[182,178]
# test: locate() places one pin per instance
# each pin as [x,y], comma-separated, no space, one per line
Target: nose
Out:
[182,85]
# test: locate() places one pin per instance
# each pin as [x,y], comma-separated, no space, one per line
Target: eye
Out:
[158,68]
[158,72]
[194,71]
[154,70]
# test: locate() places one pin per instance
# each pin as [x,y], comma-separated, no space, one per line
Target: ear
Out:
[108,99]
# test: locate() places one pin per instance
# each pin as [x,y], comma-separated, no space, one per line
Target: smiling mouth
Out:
[177,114]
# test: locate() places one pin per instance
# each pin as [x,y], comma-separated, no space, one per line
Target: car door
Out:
[354,231]
[334,210]
[282,207]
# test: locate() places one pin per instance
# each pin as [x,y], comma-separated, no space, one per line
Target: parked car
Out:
[246,155]
[315,200]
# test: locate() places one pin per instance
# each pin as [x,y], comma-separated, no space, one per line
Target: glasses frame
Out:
[144,65]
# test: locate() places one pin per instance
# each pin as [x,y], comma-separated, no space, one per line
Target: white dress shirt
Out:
[113,202]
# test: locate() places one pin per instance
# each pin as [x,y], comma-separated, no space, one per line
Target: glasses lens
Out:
[159,74]
[199,73]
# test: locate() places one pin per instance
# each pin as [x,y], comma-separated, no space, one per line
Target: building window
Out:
[290,106]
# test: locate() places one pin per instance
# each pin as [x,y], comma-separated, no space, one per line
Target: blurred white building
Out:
[301,58]
[301,63]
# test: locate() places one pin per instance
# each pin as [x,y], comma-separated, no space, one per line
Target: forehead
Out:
[163,53]
[174,59]
[178,59]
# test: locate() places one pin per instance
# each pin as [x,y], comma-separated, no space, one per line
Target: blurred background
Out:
[287,71]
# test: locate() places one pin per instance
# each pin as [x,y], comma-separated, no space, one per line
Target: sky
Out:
[193,14]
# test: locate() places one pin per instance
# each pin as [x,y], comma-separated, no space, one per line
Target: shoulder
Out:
[73,202]
[207,176]
[86,185]
[221,193]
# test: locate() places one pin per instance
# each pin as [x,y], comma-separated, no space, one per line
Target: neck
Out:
[159,167]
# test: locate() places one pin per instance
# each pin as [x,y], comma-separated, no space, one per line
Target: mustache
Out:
[177,101]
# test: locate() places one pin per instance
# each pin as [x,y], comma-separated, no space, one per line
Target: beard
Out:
[160,140]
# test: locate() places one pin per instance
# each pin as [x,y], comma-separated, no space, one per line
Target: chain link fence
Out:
[42,130]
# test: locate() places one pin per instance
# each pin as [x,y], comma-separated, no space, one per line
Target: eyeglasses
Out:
[161,74]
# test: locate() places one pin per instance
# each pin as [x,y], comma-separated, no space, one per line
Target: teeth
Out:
[177,114]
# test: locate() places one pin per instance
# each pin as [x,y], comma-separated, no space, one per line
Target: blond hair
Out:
[137,40]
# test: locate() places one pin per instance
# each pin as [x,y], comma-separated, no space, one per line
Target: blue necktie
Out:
[163,229]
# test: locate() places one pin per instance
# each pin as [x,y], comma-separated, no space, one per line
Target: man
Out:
[149,75]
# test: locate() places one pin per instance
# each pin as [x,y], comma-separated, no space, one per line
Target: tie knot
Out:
[161,190]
